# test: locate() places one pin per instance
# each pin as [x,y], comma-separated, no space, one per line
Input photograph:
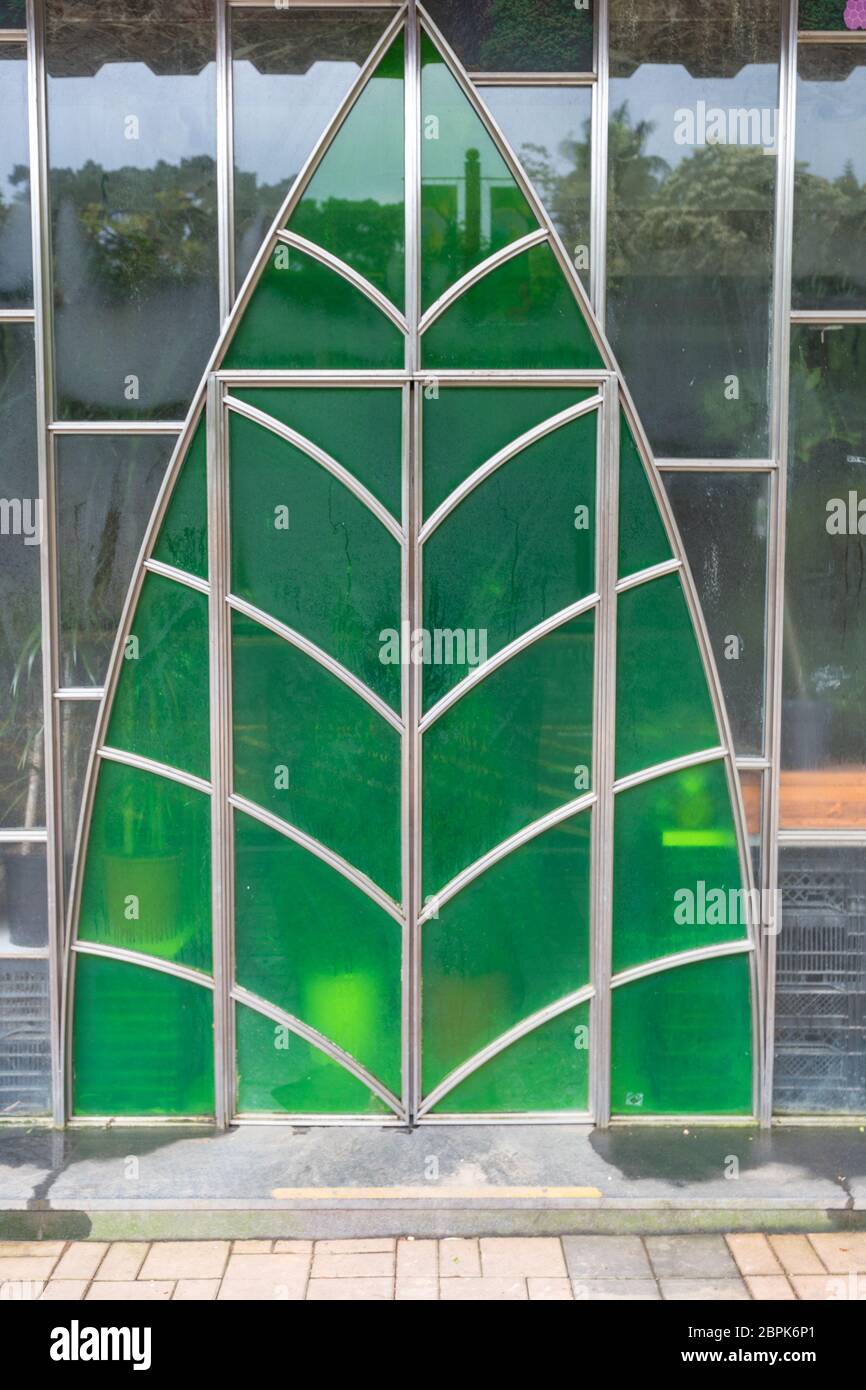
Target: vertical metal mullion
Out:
[225,161]
[222,849]
[779,422]
[604,749]
[43,340]
[412,143]
[598,162]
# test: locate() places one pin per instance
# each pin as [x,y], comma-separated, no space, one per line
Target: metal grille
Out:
[25,1047]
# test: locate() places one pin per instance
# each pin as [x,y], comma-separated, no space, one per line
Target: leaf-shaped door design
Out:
[412,794]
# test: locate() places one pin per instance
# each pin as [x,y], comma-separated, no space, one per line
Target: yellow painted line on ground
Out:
[385,1194]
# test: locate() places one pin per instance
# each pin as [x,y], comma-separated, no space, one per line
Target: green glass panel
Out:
[278,1072]
[354,204]
[515,551]
[513,941]
[682,1041]
[315,754]
[843,15]
[514,748]
[161,706]
[143,1041]
[470,203]
[308,552]
[547,1070]
[304,315]
[362,428]
[663,706]
[643,541]
[522,314]
[677,881]
[312,943]
[182,539]
[484,419]
[147,884]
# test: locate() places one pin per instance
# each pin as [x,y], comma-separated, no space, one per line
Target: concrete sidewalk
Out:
[545,1269]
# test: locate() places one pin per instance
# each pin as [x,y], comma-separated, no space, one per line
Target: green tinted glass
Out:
[147,882]
[303,315]
[643,541]
[142,1043]
[278,1072]
[678,884]
[470,203]
[315,754]
[312,943]
[514,748]
[515,551]
[353,205]
[182,539]
[513,941]
[361,428]
[657,717]
[160,709]
[484,419]
[310,553]
[522,314]
[548,1070]
[682,1041]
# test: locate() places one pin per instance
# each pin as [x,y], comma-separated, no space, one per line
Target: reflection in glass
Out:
[106,488]
[21,754]
[549,130]
[16,273]
[752,787]
[13,14]
[291,68]
[77,723]
[691,208]
[517,35]
[823,730]
[821,982]
[831,14]
[830,190]
[723,522]
[25,1043]
[131,135]
[23,904]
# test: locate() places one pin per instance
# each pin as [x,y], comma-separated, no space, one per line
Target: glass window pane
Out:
[23,902]
[823,730]
[518,35]
[752,785]
[182,539]
[16,271]
[830,191]
[21,718]
[13,14]
[692,167]
[25,1043]
[106,488]
[287,59]
[77,724]
[132,146]
[643,539]
[821,982]
[723,522]
[832,14]
[549,129]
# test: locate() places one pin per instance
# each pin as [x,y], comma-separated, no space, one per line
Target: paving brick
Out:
[81,1260]
[355,1265]
[831,1288]
[265,1278]
[606,1257]
[60,1290]
[130,1291]
[773,1288]
[796,1255]
[185,1259]
[27,1267]
[417,1259]
[350,1290]
[356,1247]
[251,1247]
[753,1254]
[616,1290]
[841,1253]
[123,1260]
[690,1257]
[549,1290]
[293,1247]
[416,1289]
[519,1257]
[200,1290]
[704,1290]
[471,1290]
[459,1259]
[44,1249]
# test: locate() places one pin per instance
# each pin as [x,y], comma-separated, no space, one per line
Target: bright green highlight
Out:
[280,1073]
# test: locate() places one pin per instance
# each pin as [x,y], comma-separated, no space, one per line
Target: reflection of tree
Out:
[517,35]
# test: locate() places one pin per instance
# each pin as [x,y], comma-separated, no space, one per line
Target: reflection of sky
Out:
[279,117]
[831,125]
[544,116]
[13,123]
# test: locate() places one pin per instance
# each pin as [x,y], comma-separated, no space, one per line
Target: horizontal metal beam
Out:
[828,318]
[163,967]
[172,774]
[190,581]
[681,958]
[649,774]
[116,427]
[28,836]
[632,581]
[80,692]
[533,79]
[716,465]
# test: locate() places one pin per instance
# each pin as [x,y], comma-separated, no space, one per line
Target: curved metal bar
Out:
[479,272]
[632,581]
[656,967]
[303,644]
[517,446]
[328,856]
[306,446]
[346,272]
[649,774]
[163,967]
[501,657]
[493,856]
[191,581]
[527,1025]
[318,1040]
[172,774]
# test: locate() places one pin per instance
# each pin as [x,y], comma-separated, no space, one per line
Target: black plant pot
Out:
[26,899]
